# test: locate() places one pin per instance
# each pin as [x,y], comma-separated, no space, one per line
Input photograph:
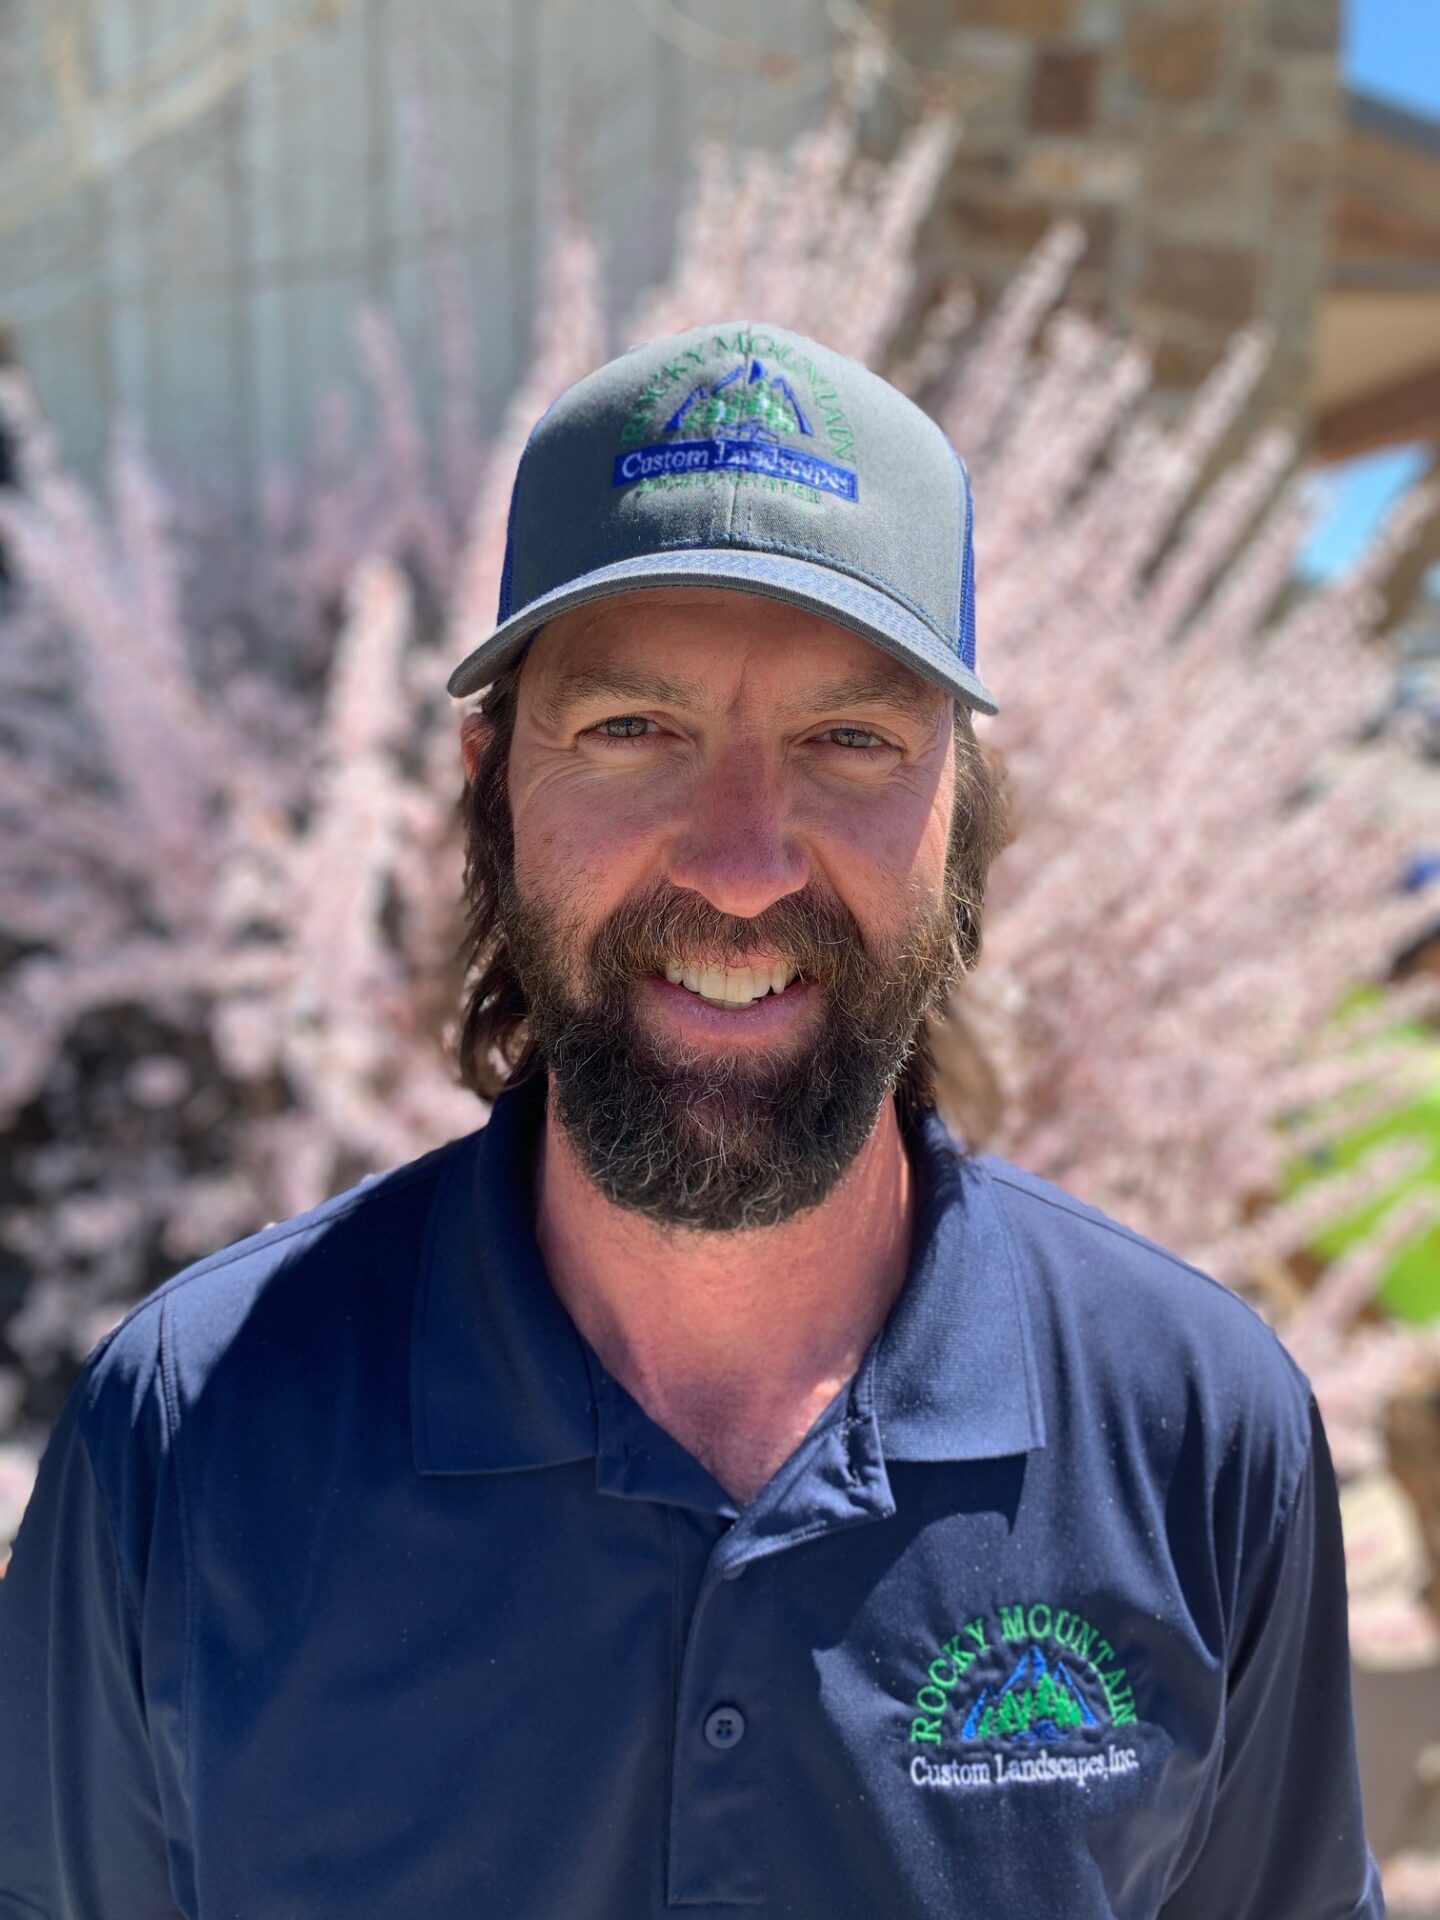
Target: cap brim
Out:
[866,610]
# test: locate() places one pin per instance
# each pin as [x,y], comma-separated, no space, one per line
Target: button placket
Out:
[720,1793]
[716,1845]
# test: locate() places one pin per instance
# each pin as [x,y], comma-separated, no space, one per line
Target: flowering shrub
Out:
[229,884]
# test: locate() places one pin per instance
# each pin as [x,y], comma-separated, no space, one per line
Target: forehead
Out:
[696,645]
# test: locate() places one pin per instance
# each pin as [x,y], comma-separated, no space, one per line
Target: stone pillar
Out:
[1194,140]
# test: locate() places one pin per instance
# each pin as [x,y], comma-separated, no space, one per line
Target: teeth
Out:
[739,985]
[731,986]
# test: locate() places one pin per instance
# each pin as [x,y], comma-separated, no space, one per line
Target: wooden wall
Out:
[197,195]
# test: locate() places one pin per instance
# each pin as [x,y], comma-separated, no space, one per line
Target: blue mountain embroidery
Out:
[1038,1702]
[762,409]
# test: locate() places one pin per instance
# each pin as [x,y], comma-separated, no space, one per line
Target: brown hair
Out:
[494,1049]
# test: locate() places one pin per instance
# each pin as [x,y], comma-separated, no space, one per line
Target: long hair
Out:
[494,1048]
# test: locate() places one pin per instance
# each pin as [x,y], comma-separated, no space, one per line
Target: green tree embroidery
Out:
[735,405]
[1018,1710]
[1054,1701]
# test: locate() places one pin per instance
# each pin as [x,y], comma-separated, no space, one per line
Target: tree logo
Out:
[1037,1702]
[760,408]
[741,424]
[1009,1687]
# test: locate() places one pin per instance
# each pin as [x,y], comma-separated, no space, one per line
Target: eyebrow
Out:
[902,692]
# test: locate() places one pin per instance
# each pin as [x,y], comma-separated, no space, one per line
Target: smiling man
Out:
[728,911]
[708,1485]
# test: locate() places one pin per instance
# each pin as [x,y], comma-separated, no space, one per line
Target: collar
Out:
[500,1378]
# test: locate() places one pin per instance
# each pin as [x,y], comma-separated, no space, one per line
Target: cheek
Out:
[582,851]
[884,850]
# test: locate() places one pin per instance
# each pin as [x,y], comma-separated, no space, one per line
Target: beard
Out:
[732,1141]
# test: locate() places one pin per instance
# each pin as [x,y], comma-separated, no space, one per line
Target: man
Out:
[707,1485]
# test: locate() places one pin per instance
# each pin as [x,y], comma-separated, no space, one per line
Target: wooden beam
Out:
[1391,416]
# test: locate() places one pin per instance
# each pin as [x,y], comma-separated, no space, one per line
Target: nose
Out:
[737,846]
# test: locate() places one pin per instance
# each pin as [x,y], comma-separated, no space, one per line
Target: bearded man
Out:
[709,1484]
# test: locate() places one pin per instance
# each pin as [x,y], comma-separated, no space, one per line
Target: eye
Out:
[633,723]
[859,740]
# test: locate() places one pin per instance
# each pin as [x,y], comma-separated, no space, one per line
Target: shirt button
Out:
[724,1727]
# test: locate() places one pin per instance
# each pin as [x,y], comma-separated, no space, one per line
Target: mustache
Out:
[819,935]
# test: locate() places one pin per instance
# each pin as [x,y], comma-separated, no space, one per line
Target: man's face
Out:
[719,786]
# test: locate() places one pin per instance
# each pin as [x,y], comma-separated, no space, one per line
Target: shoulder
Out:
[1081,1258]
[292,1289]
[1153,1336]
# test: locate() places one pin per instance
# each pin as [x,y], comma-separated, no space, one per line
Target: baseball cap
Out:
[743,455]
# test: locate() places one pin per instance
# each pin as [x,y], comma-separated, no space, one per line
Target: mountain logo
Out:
[1011,1686]
[759,408]
[1037,1702]
[1026,1671]
[742,424]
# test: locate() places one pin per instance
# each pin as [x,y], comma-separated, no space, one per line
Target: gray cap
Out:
[742,455]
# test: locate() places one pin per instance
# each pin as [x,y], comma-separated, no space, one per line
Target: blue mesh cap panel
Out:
[507,570]
[966,621]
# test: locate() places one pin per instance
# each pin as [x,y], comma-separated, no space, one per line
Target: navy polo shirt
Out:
[353,1585]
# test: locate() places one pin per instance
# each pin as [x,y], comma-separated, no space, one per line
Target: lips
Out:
[765,1011]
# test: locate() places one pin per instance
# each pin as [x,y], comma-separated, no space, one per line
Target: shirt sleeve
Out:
[1287,1835]
[81,1834]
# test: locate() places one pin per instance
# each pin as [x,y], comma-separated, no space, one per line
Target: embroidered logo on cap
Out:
[1007,1689]
[744,422]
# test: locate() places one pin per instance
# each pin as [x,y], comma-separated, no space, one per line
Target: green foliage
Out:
[1410,1285]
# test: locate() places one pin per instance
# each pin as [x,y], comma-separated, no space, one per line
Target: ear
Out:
[476,733]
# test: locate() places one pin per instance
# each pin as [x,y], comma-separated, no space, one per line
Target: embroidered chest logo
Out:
[1027,1696]
[733,409]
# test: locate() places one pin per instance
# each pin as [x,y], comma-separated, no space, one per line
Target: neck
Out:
[719,1334]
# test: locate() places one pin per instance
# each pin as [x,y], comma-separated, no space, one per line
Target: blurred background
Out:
[283,286]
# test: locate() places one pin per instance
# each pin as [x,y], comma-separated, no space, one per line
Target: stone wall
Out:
[1195,140]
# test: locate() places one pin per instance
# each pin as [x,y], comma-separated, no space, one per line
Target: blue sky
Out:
[1352,499]
[1390,48]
